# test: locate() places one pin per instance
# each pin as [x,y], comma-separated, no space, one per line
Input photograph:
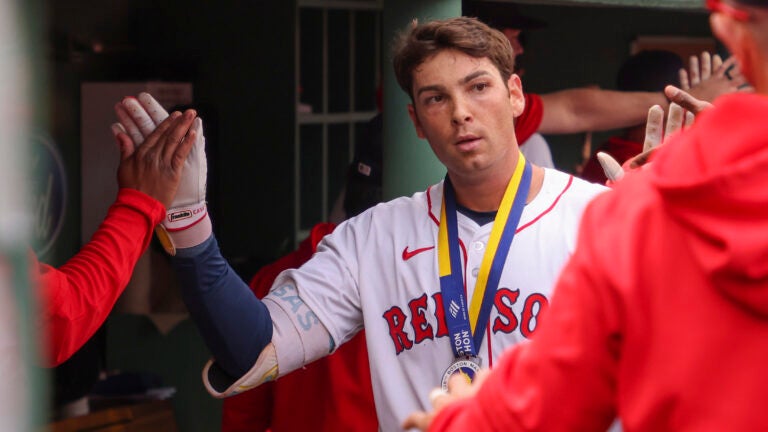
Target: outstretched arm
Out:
[246,336]
[78,296]
[235,325]
[588,109]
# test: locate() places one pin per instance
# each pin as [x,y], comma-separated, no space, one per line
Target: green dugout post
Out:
[409,164]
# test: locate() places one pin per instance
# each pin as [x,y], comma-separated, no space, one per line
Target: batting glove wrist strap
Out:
[184,217]
[184,227]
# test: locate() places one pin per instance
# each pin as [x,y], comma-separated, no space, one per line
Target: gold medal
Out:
[467,366]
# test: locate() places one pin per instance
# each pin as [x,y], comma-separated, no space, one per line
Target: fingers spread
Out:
[153,108]
[706,65]
[693,70]
[675,120]
[654,127]
[684,83]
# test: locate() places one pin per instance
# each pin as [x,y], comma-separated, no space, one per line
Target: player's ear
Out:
[415,119]
[516,94]
[723,28]
[738,39]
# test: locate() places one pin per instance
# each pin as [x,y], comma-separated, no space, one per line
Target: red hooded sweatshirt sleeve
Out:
[77,297]
[661,316]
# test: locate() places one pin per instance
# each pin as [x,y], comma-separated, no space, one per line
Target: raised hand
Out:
[139,117]
[692,105]
[655,135]
[708,77]
[155,166]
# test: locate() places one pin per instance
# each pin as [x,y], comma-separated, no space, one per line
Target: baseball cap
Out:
[364,182]
[501,15]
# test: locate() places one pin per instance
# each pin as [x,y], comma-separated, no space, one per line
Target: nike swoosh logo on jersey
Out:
[410,254]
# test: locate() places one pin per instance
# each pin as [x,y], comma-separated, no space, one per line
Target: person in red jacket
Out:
[335,392]
[661,315]
[77,297]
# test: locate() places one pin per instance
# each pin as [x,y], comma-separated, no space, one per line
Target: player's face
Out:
[463,108]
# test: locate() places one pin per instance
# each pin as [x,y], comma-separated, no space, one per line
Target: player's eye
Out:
[429,100]
[479,86]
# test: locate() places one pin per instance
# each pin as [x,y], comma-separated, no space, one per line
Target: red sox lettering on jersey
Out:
[380,271]
[423,318]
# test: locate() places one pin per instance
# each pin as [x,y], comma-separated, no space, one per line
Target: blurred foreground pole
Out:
[23,399]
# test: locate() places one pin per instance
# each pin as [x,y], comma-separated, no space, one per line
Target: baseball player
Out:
[442,281]
[666,324]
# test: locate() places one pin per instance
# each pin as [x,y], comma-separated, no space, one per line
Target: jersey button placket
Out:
[478,249]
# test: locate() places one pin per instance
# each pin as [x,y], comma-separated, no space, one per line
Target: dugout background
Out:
[239,57]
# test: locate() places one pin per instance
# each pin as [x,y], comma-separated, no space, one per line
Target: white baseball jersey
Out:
[380,271]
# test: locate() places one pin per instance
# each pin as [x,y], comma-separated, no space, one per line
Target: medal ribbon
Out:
[466,326]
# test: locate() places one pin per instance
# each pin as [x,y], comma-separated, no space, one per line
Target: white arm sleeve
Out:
[298,339]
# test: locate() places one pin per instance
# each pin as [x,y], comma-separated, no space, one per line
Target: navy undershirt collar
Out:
[480,218]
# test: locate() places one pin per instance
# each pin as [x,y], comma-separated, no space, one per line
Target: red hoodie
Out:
[77,297]
[661,316]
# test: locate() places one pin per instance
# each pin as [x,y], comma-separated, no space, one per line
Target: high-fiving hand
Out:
[655,135]
[708,77]
[155,166]
[187,223]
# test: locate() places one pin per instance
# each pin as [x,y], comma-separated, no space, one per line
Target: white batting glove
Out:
[656,134]
[611,167]
[187,222]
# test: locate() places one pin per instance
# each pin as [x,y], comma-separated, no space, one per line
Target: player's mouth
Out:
[468,142]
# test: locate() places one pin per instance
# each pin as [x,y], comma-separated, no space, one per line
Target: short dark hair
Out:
[420,42]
